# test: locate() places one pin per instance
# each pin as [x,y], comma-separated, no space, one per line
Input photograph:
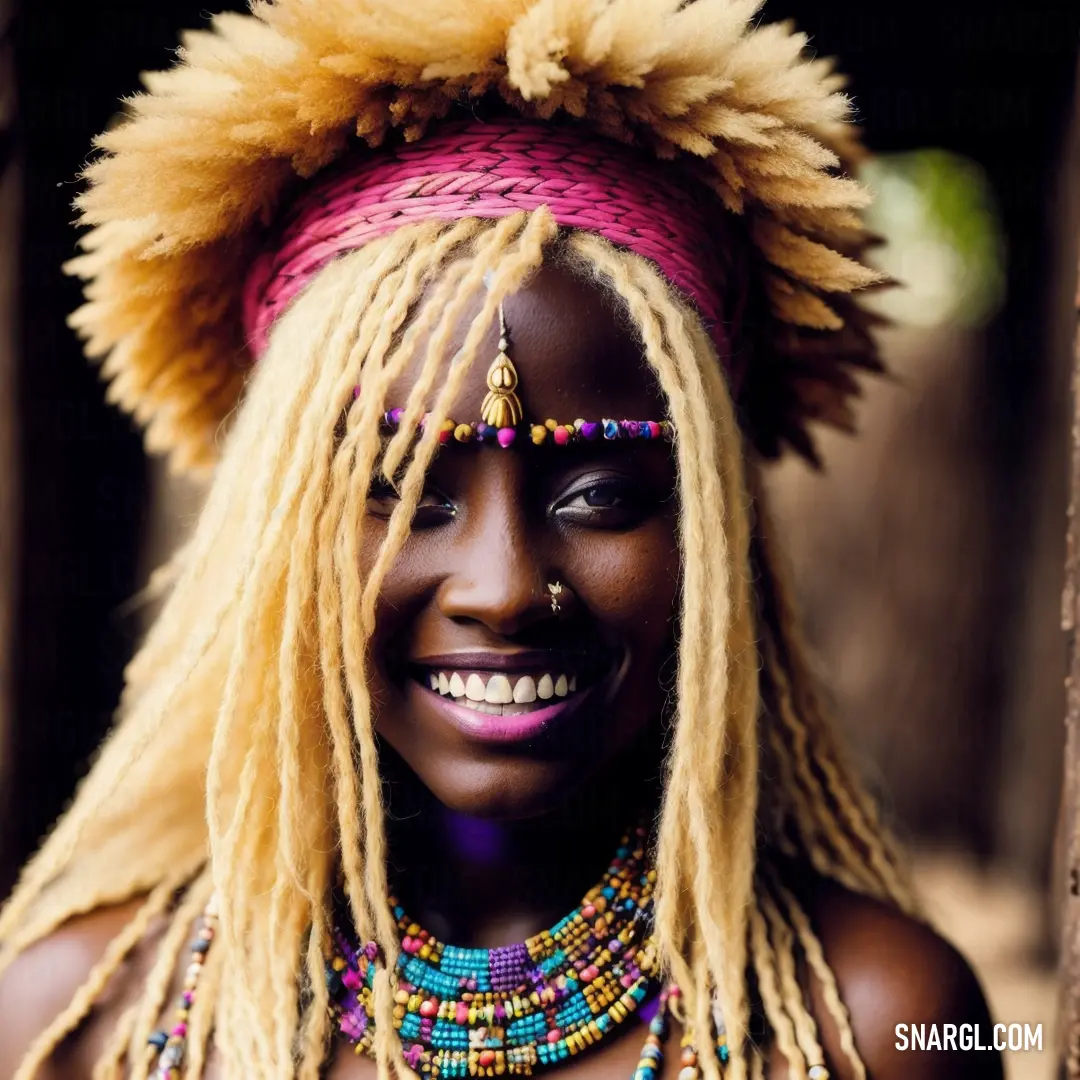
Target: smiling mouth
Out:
[500,693]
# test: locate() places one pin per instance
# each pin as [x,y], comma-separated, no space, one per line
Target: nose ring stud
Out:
[555,589]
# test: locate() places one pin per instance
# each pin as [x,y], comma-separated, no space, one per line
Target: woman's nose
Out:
[497,576]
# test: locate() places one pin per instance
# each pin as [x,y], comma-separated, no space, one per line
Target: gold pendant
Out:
[501,407]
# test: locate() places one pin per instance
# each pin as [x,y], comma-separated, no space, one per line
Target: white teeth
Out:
[525,690]
[498,690]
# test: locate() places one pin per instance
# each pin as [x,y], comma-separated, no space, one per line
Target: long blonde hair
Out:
[244,760]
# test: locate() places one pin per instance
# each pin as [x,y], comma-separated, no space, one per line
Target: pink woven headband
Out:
[491,170]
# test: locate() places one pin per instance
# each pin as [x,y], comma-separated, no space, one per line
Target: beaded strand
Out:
[549,431]
[651,1064]
[170,1045]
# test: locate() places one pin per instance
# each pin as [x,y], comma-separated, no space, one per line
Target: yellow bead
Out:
[538,433]
[338,964]
[550,424]
[463,432]
[447,425]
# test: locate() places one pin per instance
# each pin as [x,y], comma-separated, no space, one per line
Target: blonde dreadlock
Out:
[250,693]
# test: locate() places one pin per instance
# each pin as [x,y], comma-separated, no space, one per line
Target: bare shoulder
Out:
[891,969]
[41,983]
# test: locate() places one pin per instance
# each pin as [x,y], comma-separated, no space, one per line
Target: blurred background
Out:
[928,555]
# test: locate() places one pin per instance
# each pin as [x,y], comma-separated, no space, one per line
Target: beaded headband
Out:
[492,170]
[539,434]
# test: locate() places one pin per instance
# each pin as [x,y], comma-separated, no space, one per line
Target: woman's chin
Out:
[507,791]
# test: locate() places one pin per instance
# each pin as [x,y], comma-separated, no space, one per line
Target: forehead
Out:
[575,349]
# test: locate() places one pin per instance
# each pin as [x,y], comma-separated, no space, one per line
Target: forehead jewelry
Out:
[556,591]
[501,407]
[550,432]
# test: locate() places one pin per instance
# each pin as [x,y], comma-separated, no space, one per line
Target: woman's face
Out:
[466,613]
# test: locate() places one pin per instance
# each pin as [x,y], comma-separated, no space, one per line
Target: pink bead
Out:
[428,1008]
[351,979]
[561,436]
[462,1014]
[588,911]
[506,436]
[626,981]
[554,1035]
[590,973]
[654,429]
[180,1030]
[412,945]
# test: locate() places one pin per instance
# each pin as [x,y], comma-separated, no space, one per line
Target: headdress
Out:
[190,185]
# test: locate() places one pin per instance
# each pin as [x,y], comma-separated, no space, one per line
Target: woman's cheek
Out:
[628,580]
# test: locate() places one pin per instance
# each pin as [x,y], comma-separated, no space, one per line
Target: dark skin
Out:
[492,837]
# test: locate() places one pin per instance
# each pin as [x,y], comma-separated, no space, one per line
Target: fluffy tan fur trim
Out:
[185,185]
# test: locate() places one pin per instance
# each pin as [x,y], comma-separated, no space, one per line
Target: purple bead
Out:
[589,430]
[631,428]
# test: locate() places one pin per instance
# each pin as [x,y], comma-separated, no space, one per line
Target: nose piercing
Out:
[555,590]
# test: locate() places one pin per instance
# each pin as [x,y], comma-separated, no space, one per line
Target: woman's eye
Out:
[603,503]
[433,508]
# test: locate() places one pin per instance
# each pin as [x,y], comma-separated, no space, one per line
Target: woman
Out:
[481,617]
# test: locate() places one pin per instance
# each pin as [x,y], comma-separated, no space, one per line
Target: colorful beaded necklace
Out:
[488,1012]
